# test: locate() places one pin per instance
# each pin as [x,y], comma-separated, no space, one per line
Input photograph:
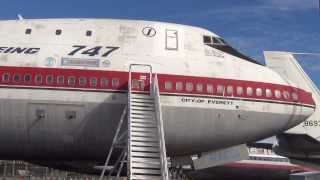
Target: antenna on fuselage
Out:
[20,18]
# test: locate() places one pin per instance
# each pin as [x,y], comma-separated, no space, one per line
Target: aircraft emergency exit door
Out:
[171,39]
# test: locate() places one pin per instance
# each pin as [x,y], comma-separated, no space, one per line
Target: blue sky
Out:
[249,25]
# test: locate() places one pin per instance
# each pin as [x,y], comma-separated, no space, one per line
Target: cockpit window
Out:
[216,41]
[207,40]
[222,45]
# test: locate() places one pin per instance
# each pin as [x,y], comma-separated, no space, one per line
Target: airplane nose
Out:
[302,107]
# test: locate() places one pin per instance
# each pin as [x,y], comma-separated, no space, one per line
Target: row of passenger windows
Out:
[267,158]
[58,32]
[60,80]
[230,90]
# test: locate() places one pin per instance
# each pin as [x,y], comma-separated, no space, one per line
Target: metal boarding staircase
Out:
[144,149]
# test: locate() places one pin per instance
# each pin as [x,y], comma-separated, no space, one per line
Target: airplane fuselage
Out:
[63,87]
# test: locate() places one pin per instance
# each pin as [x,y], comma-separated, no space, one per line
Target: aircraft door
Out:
[171,39]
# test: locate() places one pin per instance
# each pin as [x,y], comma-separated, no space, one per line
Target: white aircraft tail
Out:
[288,67]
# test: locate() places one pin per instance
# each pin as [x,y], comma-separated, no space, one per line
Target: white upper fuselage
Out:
[79,68]
[191,57]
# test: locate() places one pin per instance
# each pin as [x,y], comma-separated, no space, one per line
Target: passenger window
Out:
[230,90]
[104,82]
[249,91]
[209,88]
[49,79]
[239,91]
[16,77]
[189,86]
[207,40]
[58,32]
[82,81]
[259,92]
[179,86]
[220,89]
[294,96]
[27,78]
[135,84]
[71,81]
[28,31]
[286,95]
[277,94]
[115,82]
[89,33]
[93,82]
[268,93]
[38,79]
[199,87]
[168,85]
[60,80]
[6,77]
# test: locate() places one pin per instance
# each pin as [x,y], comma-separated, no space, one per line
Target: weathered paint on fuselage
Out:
[78,122]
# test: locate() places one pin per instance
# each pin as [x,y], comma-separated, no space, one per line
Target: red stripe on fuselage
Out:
[121,79]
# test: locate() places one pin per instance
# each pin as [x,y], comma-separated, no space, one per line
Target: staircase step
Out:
[144,108]
[144,177]
[137,100]
[146,160]
[146,125]
[146,171]
[144,149]
[143,104]
[141,129]
[144,144]
[148,121]
[144,165]
[144,154]
[144,134]
[141,96]
[151,113]
[144,139]
[142,116]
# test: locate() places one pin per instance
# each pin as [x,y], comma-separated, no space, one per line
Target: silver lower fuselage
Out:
[44,124]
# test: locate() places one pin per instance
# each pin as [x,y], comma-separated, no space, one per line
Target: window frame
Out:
[36,79]
[59,82]
[240,91]
[73,82]
[115,82]
[189,86]
[199,87]
[27,81]
[3,77]
[210,88]
[14,78]
[229,90]
[104,82]
[179,86]
[48,77]
[90,81]
[249,91]
[269,93]
[168,85]
[259,92]
[277,94]
[220,89]
[82,81]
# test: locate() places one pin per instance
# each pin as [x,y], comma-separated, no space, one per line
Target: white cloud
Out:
[288,5]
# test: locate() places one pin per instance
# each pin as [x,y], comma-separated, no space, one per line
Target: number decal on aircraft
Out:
[311,123]
[93,51]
